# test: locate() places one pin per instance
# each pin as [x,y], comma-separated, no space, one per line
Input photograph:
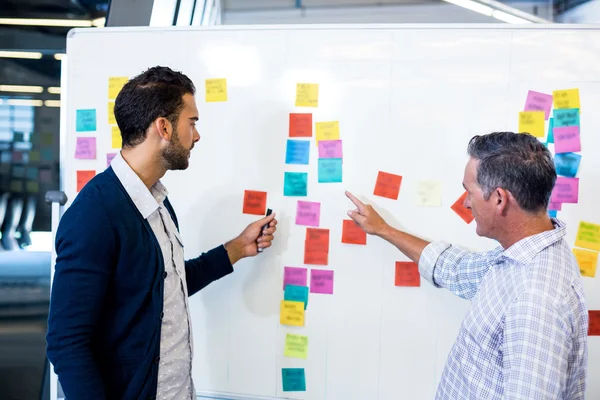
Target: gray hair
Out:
[516,162]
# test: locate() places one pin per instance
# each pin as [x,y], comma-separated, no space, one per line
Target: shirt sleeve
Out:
[207,268]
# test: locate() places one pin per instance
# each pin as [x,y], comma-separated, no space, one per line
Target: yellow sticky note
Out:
[296,346]
[532,122]
[34,156]
[307,95]
[116,140]
[587,260]
[588,236]
[429,194]
[291,313]
[32,187]
[115,84]
[327,130]
[216,90]
[111,113]
[568,98]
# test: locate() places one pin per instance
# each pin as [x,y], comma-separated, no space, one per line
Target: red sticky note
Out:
[316,246]
[84,177]
[352,233]
[300,125]
[594,324]
[255,202]
[294,276]
[407,274]
[387,185]
[461,210]
[321,281]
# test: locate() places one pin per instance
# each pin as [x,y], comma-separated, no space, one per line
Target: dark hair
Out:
[157,92]
[517,162]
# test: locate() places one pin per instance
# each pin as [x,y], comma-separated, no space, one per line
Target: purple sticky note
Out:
[537,101]
[321,281]
[85,148]
[567,139]
[45,175]
[554,206]
[294,276]
[330,149]
[109,158]
[566,190]
[308,213]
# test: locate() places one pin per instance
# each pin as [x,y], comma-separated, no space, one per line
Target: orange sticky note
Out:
[387,185]
[352,233]
[300,125]
[83,177]
[407,274]
[594,324]
[316,246]
[463,212]
[255,202]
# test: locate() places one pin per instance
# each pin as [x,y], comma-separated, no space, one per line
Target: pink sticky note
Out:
[537,101]
[85,148]
[294,276]
[308,213]
[554,206]
[109,158]
[45,175]
[567,139]
[566,190]
[330,149]
[321,281]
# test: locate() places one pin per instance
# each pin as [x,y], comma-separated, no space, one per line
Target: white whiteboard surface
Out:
[408,99]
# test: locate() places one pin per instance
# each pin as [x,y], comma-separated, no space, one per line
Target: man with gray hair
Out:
[525,335]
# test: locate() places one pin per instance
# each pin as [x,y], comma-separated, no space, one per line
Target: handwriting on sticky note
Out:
[111,113]
[85,148]
[321,281]
[115,84]
[566,139]
[109,158]
[291,313]
[537,101]
[300,125]
[116,139]
[85,121]
[566,117]
[532,122]
[352,233]
[588,236]
[568,98]
[255,202]
[428,194]
[308,213]
[330,149]
[294,276]
[293,380]
[387,185]
[296,346]
[215,90]
[295,184]
[407,274]
[327,130]
[307,95]
[297,152]
[316,246]
[330,170]
[83,177]
[296,293]
[459,208]
[567,164]
[594,323]
[587,261]
[566,190]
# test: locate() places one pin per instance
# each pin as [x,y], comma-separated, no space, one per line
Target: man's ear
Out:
[164,128]
[500,197]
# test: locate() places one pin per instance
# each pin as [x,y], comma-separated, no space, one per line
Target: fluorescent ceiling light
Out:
[59,56]
[21,89]
[21,54]
[74,23]
[52,103]
[511,19]
[473,6]
[25,102]
[99,22]
[53,90]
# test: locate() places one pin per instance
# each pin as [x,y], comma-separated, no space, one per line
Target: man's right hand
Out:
[366,217]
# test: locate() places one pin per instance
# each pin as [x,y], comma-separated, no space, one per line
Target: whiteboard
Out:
[408,98]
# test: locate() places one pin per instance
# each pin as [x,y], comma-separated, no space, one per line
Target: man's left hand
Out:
[253,238]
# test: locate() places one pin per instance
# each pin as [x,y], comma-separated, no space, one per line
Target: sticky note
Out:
[32,173]
[550,131]
[293,380]
[291,313]
[308,213]
[115,84]
[16,186]
[17,156]
[459,208]
[553,213]
[296,293]
[330,149]
[566,139]
[111,113]
[18,137]
[255,202]
[588,236]
[307,95]
[537,101]
[34,156]
[116,139]
[32,187]
[566,190]
[428,194]
[300,125]
[295,184]
[296,346]
[297,152]
[216,90]
[45,175]
[407,274]
[387,185]
[330,170]
[47,155]
[327,130]
[18,171]
[352,233]
[568,98]
[316,246]
[321,281]
[48,140]
[109,158]
[85,148]
[83,177]
[594,323]
[294,276]
[554,206]
[532,122]
[567,164]
[85,121]
[587,261]
[566,117]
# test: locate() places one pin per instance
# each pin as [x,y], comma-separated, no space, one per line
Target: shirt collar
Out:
[146,201]
[526,249]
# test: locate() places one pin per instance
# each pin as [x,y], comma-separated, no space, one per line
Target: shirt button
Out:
[156,360]
[162,314]
[165,275]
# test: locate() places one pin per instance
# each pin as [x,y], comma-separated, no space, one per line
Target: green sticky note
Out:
[293,380]
[330,170]
[295,184]
[296,346]
[296,293]
[550,131]
[86,121]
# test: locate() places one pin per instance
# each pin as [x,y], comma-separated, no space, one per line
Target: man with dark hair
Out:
[119,324]
[525,335]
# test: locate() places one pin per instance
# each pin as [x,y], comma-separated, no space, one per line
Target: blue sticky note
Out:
[552,213]
[86,121]
[567,164]
[296,293]
[330,170]
[293,379]
[295,184]
[297,152]
[550,131]
[47,154]
[32,173]
[566,117]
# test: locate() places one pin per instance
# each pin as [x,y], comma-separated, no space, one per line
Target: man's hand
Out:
[253,238]
[366,217]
